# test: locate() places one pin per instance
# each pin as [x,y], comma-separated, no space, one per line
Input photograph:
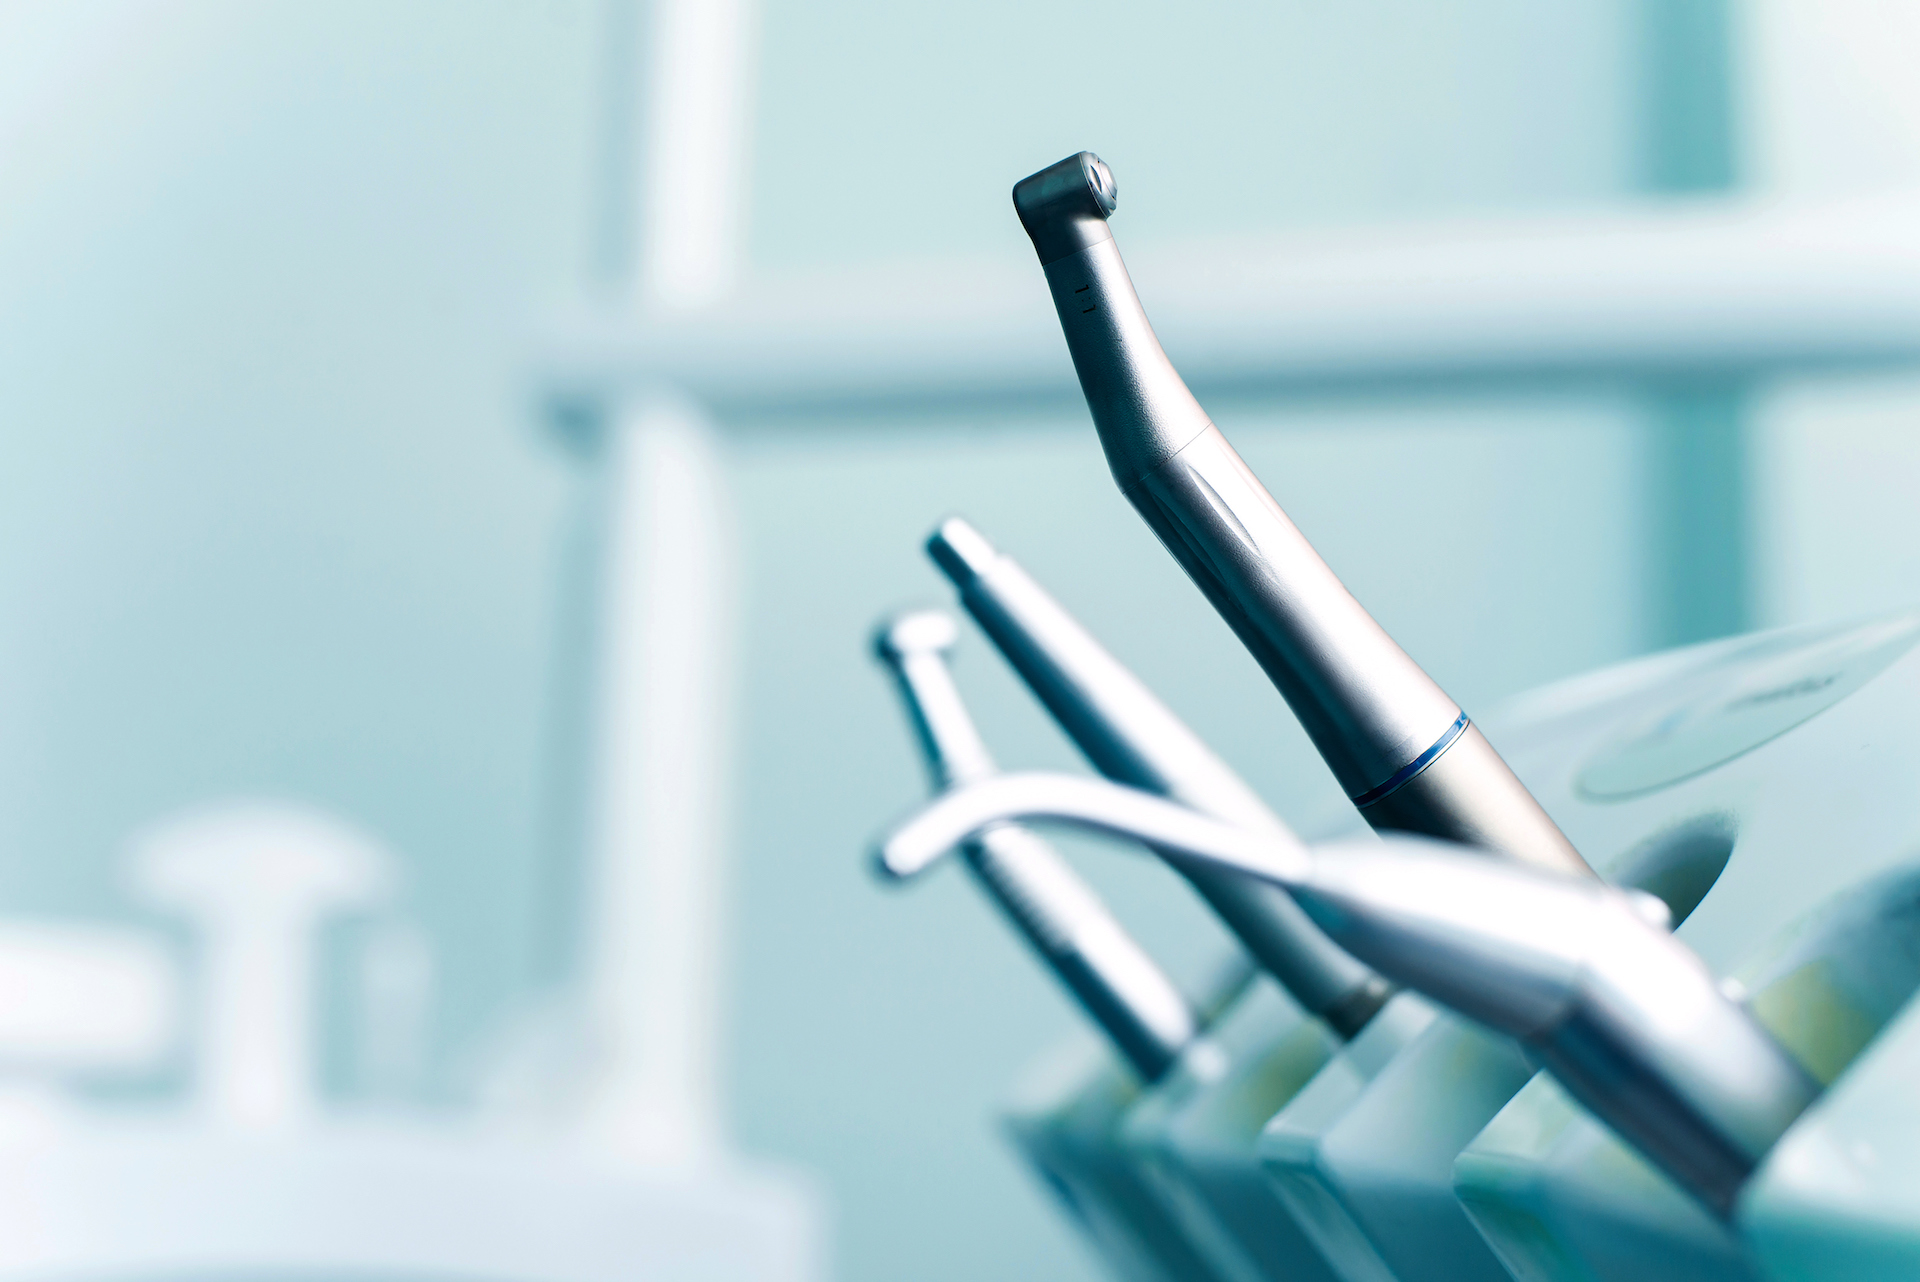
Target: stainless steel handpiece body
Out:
[1121,987]
[1131,737]
[1405,753]
[1584,976]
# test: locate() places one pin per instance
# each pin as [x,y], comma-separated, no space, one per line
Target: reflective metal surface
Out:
[1628,1019]
[1064,207]
[1378,719]
[1133,738]
[1109,973]
[1451,799]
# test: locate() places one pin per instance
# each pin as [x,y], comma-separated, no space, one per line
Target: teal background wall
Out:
[896,132]
[278,514]
[274,516]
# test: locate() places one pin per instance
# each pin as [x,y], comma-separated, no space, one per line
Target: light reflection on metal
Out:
[1627,1017]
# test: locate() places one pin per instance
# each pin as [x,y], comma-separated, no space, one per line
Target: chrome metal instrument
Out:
[1120,986]
[1585,976]
[1131,737]
[1405,753]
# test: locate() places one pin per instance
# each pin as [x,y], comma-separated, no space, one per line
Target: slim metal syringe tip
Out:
[885,869]
[914,632]
[961,551]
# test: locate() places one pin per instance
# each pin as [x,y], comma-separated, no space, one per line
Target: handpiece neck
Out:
[1141,407]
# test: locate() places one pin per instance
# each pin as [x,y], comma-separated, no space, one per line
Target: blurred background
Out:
[398,467]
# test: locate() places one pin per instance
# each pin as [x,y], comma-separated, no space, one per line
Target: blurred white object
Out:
[657,842]
[129,1198]
[650,1083]
[84,999]
[1723,286]
[691,205]
[257,1176]
[258,879]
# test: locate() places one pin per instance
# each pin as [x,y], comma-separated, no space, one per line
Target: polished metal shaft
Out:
[1621,1012]
[1628,1018]
[1127,995]
[1131,737]
[1405,753]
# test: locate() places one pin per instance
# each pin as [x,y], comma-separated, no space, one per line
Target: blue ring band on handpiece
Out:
[1415,766]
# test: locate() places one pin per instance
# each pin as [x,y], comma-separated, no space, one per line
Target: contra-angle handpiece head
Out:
[1627,1017]
[1064,207]
[1119,985]
[1405,753]
[1131,737]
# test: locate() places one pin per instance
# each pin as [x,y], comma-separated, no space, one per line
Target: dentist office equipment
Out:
[1192,1131]
[1344,1142]
[1405,753]
[1130,736]
[1148,1021]
[1760,785]
[1713,772]
[1587,978]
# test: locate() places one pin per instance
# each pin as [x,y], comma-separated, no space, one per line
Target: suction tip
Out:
[914,632]
[962,552]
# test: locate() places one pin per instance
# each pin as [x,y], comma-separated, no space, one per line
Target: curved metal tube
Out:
[1401,748]
[1148,1019]
[1627,1017]
[914,846]
[1133,738]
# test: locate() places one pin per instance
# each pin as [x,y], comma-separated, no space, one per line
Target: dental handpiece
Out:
[1110,975]
[1405,753]
[1586,977]
[1131,737]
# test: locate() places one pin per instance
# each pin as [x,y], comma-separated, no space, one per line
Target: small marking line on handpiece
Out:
[1094,308]
[1414,767]
[1083,289]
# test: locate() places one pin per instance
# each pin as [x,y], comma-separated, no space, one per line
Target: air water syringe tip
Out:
[912,632]
[900,860]
[883,868]
[1100,178]
[962,552]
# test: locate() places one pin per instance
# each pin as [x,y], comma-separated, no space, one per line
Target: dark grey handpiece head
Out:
[1064,207]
